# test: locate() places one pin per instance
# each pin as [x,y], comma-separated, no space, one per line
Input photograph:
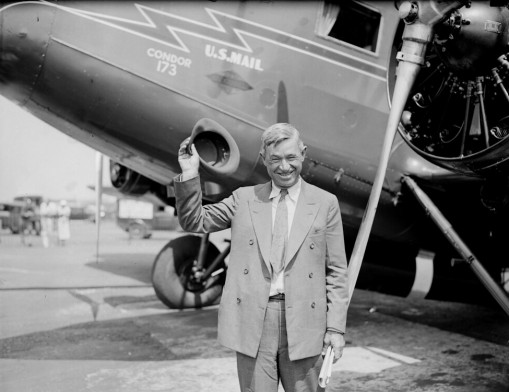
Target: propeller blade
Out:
[98,200]
[420,19]
[407,73]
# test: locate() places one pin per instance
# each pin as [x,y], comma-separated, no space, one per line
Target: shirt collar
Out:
[293,191]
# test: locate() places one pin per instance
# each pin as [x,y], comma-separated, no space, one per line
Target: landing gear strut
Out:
[458,244]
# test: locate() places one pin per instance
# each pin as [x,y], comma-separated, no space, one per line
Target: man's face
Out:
[284,162]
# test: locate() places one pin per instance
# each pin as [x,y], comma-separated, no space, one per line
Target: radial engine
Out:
[457,114]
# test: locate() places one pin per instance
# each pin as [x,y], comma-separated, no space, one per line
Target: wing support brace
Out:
[455,240]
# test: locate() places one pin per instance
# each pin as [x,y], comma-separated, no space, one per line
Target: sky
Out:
[37,159]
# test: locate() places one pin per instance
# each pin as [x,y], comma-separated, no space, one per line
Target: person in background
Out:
[52,214]
[285,297]
[28,217]
[45,223]
[64,229]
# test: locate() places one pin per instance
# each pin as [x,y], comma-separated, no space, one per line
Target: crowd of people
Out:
[49,219]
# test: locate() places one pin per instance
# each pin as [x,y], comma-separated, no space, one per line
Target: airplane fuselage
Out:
[131,81]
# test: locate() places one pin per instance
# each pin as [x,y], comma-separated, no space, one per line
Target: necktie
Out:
[279,235]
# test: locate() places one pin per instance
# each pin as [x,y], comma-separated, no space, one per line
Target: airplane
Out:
[403,106]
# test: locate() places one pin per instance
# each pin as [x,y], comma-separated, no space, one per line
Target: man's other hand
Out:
[189,163]
[337,341]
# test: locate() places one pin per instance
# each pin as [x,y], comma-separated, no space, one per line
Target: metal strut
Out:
[451,235]
[199,272]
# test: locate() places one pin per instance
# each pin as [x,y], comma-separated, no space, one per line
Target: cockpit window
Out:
[351,22]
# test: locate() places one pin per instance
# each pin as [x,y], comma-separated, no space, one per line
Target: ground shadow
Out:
[135,265]
[171,336]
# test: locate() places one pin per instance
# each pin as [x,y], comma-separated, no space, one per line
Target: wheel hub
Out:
[190,277]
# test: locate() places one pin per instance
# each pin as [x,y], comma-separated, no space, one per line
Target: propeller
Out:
[420,18]
[98,200]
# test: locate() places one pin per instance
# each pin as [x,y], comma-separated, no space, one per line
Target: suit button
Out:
[246,271]
[312,246]
[238,300]
[311,275]
[313,305]
[251,242]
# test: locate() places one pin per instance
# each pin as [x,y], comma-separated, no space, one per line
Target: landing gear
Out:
[445,227]
[181,276]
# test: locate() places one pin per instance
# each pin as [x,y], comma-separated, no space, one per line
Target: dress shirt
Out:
[277,281]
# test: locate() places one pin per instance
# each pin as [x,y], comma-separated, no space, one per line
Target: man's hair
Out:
[276,133]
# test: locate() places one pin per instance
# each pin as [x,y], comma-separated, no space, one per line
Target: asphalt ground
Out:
[70,321]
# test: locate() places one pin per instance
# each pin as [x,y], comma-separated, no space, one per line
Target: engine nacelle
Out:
[127,181]
[219,153]
[457,115]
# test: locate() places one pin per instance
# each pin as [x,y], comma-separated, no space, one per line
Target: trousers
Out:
[272,363]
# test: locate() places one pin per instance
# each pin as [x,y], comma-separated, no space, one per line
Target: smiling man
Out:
[285,296]
[283,153]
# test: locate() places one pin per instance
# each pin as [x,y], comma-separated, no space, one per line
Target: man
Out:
[45,224]
[285,297]
[28,222]
[63,223]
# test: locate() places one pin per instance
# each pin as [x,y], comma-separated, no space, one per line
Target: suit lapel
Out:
[261,215]
[305,214]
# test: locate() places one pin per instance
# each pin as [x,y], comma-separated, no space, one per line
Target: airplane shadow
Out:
[176,335]
[182,335]
[135,266]
[171,336]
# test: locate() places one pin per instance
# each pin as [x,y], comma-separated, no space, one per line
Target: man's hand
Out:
[189,163]
[337,341]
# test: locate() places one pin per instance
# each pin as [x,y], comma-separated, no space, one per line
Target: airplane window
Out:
[350,21]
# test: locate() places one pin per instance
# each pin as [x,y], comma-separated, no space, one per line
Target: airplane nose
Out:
[25,30]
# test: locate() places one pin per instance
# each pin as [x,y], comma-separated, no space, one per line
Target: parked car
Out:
[139,218]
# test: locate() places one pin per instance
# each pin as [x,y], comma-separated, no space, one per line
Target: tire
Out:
[171,271]
[138,230]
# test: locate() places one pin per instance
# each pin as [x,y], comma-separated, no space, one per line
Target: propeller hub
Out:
[469,42]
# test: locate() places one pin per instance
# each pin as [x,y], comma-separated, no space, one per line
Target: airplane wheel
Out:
[172,275]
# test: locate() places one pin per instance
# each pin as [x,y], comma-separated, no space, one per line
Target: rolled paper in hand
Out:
[326,370]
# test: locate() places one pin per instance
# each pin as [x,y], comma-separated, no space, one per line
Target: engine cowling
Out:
[457,115]
[127,181]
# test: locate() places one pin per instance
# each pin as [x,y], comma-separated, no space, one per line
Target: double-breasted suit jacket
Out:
[315,274]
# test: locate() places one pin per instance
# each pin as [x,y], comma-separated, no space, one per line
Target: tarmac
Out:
[72,321]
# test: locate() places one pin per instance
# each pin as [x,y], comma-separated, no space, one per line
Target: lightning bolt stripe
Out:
[168,29]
